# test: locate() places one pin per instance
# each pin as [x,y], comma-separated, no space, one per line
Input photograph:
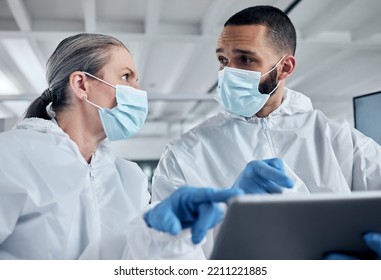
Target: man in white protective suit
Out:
[261,118]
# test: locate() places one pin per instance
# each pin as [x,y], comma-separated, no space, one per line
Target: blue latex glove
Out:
[372,240]
[263,176]
[189,207]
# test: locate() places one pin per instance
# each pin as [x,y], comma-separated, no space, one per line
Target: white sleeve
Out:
[299,185]
[168,176]
[12,203]
[366,173]
[147,243]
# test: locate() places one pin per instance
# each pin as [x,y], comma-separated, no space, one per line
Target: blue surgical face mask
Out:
[124,120]
[238,92]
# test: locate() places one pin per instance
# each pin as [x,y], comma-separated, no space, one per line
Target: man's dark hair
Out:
[280,30]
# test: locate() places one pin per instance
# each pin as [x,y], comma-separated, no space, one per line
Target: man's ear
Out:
[79,84]
[287,68]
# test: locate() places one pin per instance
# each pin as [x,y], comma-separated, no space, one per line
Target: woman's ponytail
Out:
[38,107]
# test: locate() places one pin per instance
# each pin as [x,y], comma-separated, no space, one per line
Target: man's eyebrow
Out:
[219,50]
[244,52]
[237,51]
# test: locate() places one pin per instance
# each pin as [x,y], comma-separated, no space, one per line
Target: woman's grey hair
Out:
[83,52]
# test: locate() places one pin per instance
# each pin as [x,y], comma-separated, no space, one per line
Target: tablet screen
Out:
[277,227]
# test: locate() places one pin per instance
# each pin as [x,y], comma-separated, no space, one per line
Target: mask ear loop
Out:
[95,105]
[271,93]
[276,65]
[272,70]
[96,78]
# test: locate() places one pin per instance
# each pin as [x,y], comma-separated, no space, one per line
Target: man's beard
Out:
[269,84]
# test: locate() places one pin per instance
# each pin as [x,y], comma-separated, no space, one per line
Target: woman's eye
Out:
[126,77]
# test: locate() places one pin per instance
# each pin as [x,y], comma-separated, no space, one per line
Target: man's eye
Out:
[223,60]
[246,59]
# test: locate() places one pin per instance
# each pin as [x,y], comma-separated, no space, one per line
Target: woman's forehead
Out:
[119,60]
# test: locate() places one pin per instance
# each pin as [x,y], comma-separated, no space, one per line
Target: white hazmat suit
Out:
[55,205]
[321,155]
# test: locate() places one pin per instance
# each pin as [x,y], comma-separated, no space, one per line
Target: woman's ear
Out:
[287,68]
[79,84]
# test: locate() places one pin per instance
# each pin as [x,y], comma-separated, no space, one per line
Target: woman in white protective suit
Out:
[64,195]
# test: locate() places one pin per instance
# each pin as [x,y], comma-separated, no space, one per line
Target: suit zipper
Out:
[266,131]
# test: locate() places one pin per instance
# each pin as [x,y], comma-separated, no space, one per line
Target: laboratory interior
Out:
[173,45]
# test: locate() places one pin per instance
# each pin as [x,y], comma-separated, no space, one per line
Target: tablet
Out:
[298,226]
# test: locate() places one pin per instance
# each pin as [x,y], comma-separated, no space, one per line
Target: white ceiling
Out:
[173,45]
